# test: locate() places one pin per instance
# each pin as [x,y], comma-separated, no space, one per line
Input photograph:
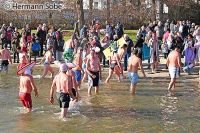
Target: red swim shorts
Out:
[26,99]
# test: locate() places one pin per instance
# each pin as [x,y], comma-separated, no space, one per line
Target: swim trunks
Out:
[46,63]
[174,72]
[78,75]
[112,66]
[4,65]
[26,99]
[93,82]
[63,99]
[133,76]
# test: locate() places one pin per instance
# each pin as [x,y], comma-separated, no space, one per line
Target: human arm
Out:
[179,61]
[141,68]
[34,86]
[167,62]
[87,68]
[100,74]
[9,57]
[53,87]
[118,62]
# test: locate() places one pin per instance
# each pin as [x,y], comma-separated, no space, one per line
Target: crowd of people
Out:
[80,58]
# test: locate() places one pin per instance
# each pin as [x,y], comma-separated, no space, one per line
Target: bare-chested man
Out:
[26,85]
[5,57]
[47,62]
[63,88]
[78,62]
[174,65]
[134,62]
[93,68]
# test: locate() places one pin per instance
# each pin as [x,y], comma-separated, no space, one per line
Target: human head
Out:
[190,36]
[80,50]
[16,29]
[27,25]
[124,46]
[63,67]
[11,24]
[143,28]
[23,58]
[126,37]
[5,46]
[193,24]
[40,26]
[159,23]
[168,30]
[177,48]
[135,51]
[92,52]
[115,37]
[49,47]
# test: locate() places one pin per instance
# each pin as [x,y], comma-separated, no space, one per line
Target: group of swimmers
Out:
[67,82]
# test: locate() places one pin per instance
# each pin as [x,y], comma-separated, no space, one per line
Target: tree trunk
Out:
[90,9]
[160,10]
[153,10]
[108,10]
[80,13]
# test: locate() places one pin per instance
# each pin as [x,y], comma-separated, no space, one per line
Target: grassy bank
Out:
[68,33]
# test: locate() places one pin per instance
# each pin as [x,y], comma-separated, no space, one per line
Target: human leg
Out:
[109,75]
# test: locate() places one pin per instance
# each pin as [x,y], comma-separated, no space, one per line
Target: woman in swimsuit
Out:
[115,66]
[48,59]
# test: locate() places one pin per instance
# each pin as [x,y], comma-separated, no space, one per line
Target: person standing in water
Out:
[72,79]
[78,62]
[93,69]
[115,66]
[121,52]
[47,62]
[134,62]
[174,65]
[62,85]
[26,85]
[5,57]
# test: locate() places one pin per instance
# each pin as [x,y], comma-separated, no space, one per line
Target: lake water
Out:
[114,110]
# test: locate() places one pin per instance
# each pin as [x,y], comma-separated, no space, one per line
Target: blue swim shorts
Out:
[78,75]
[133,77]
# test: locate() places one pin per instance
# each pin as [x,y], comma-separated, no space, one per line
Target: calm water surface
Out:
[152,110]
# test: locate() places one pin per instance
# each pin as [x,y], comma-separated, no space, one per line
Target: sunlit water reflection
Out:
[152,110]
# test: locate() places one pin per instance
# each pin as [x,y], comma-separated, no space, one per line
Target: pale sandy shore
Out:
[161,75]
